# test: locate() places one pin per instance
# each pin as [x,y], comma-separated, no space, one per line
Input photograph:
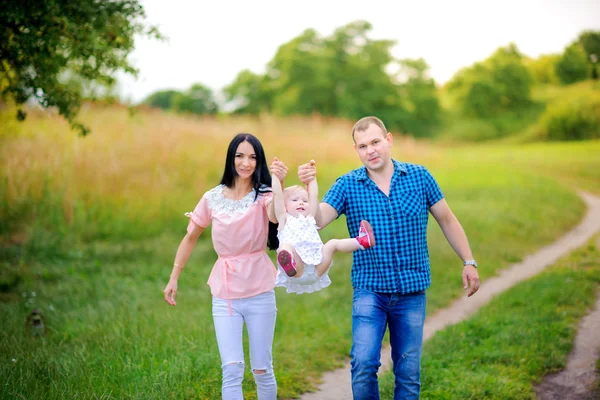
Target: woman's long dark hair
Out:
[261,178]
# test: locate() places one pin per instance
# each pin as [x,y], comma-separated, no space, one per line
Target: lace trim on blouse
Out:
[220,204]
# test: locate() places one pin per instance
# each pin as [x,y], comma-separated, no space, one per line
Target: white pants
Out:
[259,313]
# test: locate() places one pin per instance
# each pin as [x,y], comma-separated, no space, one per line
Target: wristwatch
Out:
[470,262]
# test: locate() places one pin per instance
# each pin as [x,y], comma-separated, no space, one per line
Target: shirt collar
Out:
[399,168]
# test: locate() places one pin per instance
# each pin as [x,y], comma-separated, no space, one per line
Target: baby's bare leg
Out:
[299,264]
[329,249]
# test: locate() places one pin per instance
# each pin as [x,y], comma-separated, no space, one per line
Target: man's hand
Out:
[470,275]
[307,172]
[278,169]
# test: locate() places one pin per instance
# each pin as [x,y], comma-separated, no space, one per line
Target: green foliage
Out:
[343,75]
[422,112]
[590,41]
[40,41]
[459,127]
[249,93]
[500,83]
[573,66]
[162,99]
[198,99]
[576,117]
[543,68]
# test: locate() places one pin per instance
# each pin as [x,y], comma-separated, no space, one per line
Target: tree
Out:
[41,41]
[543,68]
[590,41]
[249,93]
[500,83]
[198,99]
[345,75]
[573,66]
[162,99]
[419,96]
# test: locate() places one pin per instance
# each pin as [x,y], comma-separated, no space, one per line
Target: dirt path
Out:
[336,384]
[576,381]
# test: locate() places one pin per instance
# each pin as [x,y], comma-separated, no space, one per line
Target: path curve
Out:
[336,384]
[576,381]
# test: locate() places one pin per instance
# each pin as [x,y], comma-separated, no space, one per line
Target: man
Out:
[390,279]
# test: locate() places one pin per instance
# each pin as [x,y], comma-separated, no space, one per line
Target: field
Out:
[89,229]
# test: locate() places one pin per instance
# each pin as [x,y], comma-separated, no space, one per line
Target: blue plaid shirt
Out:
[399,261]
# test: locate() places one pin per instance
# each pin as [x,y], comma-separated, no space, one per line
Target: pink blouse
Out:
[239,235]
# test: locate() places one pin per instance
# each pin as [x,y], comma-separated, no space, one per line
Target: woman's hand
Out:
[170,292]
[278,169]
[307,172]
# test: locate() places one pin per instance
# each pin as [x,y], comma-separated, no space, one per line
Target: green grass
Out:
[574,164]
[513,342]
[111,333]
[98,256]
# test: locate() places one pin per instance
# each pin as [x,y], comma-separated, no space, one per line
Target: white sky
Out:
[212,41]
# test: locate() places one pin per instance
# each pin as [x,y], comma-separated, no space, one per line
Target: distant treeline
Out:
[61,53]
[347,74]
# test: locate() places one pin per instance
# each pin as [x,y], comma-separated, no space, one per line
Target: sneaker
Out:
[286,261]
[365,237]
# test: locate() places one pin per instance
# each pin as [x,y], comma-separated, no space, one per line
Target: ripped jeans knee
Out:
[233,375]
[266,385]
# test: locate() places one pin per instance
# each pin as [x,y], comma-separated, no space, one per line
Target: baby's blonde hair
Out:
[292,189]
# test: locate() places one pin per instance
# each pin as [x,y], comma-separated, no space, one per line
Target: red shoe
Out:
[286,261]
[365,237]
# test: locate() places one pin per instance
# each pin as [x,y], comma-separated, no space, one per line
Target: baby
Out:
[301,253]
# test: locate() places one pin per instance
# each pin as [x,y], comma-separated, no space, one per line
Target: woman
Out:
[243,278]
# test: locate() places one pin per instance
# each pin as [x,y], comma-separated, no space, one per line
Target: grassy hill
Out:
[576,102]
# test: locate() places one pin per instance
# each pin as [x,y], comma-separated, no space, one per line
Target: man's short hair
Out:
[364,123]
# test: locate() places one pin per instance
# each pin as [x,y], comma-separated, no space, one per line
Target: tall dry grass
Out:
[144,164]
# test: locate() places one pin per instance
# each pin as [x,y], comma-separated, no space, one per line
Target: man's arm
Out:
[457,238]
[325,215]
[313,197]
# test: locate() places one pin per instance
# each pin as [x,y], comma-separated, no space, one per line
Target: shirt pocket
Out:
[411,203]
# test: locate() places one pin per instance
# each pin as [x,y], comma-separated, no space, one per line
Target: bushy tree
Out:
[419,97]
[249,93]
[162,99]
[573,66]
[500,83]
[40,41]
[344,74]
[543,68]
[590,41]
[198,99]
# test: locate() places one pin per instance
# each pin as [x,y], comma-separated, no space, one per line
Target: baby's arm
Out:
[278,202]
[313,197]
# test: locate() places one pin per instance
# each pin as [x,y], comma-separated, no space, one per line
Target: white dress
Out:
[301,232]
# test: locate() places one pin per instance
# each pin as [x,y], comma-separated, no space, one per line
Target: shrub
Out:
[576,117]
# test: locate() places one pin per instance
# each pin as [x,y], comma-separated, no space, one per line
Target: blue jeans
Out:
[371,313]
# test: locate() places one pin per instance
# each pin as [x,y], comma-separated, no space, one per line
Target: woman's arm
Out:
[278,173]
[278,202]
[181,257]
